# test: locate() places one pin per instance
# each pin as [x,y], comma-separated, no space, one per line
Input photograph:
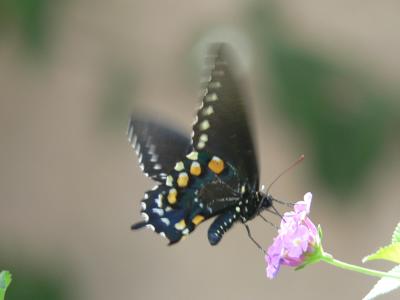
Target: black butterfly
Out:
[213,175]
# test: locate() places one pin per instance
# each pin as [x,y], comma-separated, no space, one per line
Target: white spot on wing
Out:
[204,137]
[165,221]
[152,149]
[130,132]
[204,125]
[208,110]
[134,140]
[137,149]
[215,85]
[151,227]
[145,217]
[169,180]
[201,145]
[193,155]
[159,200]
[158,211]
[179,166]
[211,97]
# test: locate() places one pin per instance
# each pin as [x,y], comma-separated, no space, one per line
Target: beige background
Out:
[70,190]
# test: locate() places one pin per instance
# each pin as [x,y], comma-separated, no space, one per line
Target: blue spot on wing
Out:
[158,217]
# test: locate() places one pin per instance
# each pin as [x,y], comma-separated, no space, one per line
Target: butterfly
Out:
[212,175]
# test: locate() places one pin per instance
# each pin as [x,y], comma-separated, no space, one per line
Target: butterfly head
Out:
[266,200]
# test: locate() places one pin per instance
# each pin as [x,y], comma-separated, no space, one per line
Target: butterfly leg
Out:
[252,239]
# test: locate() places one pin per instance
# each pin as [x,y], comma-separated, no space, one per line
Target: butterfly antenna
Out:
[294,164]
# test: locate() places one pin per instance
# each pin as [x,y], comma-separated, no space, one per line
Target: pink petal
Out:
[304,206]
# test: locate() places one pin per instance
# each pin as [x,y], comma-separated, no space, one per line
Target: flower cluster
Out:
[297,238]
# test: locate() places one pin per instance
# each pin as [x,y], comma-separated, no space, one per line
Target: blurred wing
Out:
[158,147]
[221,127]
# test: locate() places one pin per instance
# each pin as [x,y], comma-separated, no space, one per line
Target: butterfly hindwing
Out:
[157,147]
[221,125]
[191,193]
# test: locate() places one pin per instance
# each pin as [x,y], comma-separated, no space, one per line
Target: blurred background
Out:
[321,78]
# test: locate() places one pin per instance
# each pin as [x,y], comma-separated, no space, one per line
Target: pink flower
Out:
[297,237]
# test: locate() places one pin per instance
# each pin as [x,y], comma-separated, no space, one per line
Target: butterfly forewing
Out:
[158,147]
[221,126]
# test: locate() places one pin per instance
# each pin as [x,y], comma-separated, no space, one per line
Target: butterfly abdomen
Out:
[221,225]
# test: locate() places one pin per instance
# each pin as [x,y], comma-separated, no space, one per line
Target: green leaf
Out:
[384,285]
[391,253]
[5,280]
[396,235]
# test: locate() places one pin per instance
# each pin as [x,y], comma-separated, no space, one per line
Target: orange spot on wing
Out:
[216,165]
[195,169]
[172,196]
[197,220]
[183,179]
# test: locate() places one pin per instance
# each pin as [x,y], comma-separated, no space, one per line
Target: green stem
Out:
[328,258]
